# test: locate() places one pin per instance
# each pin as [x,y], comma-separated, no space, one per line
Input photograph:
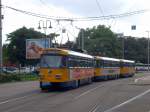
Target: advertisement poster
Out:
[34,47]
[110,71]
[78,73]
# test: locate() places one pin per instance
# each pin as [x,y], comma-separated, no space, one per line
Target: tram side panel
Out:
[127,71]
[106,68]
[127,68]
[107,73]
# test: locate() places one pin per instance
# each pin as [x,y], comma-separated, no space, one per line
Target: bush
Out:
[9,78]
[17,77]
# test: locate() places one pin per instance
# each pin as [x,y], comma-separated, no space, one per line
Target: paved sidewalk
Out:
[143,80]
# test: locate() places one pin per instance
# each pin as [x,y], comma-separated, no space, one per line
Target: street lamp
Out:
[148,51]
[45,25]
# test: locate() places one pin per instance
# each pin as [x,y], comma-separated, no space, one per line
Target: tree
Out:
[17,47]
[136,49]
[5,53]
[101,41]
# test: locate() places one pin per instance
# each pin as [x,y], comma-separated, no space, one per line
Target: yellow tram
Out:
[66,68]
[60,67]
[127,68]
[106,68]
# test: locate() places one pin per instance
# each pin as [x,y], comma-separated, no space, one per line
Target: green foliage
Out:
[101,41]
[136,49]
[16,49]
[5,53]
[98,40]
[9,78]
[17,77]
[29,77]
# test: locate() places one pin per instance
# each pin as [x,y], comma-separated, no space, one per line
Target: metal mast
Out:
[1,54]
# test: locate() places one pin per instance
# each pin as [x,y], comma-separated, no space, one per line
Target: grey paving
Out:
[96,97]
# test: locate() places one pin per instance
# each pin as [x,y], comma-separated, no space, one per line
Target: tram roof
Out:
[107,58]
[68,52]
[128,61]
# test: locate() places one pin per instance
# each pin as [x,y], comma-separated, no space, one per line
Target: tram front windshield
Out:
[52,61]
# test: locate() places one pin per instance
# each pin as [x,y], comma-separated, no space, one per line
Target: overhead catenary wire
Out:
[99,7]
[31,13]
[44,4]
[59,28]
[56,18]
[101,10]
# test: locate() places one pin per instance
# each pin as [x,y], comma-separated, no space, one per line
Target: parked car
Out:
[10,70]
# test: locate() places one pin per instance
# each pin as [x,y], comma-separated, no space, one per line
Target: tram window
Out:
[75,63]
[125,64]
[83,63]
[90,63]
[101,64]
[64,62]
[115,64]
[97,63]
[121,64]
[109,64]
[106,64]
[51,61]
[80,63]
[72,62]
[86,63]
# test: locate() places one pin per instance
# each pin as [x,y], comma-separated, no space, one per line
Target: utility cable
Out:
[78,19]
[44,4]
[99,7]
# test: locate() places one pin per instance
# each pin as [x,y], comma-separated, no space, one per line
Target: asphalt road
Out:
[122,95]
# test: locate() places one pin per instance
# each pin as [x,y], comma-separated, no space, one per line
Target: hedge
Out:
[17,77]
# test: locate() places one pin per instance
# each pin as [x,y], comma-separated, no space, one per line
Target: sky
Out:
[77,8]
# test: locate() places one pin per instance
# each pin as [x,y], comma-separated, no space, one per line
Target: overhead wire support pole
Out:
[148,51]
[123,39]
[82,30]
[1,52]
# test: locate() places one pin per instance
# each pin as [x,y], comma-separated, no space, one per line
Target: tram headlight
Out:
[58,76]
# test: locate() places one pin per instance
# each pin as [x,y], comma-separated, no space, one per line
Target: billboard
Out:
[34,47]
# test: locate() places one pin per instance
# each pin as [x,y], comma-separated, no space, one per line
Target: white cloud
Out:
[77,8]
[14,20]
